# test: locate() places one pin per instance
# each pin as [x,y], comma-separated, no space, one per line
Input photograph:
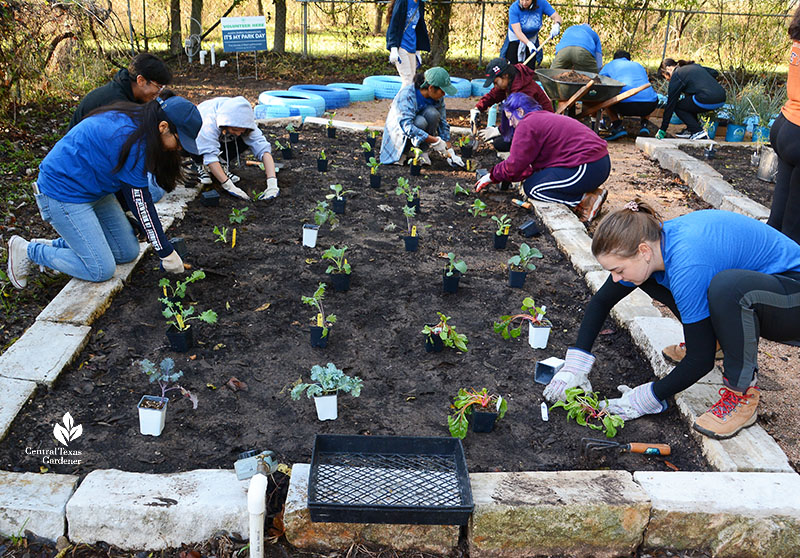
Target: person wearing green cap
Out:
[417,117]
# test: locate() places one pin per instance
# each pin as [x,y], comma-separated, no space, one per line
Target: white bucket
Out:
[151,421]
[310,233]
[327,408]
[538,336]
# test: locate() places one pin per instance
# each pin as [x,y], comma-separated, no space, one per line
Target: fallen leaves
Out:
[263,307]
[235,384]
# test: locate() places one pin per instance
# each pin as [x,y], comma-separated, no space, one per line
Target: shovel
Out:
[591,444]
[536,51]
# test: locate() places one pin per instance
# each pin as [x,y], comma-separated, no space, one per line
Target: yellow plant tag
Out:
[345,261]
[233,240]
[414,230]
[468,164]
[165,291]
[319,320]
[506,229]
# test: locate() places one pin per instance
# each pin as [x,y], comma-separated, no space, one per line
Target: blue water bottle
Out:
[491,119]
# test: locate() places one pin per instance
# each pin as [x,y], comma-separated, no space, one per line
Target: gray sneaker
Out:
[19,265]
[203,175]
[701,135]
[684,134]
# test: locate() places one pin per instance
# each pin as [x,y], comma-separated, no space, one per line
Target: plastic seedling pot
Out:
[450,283]
[735,132]
[327,408]
[322,165]
[516,279]
[529,228]
[500,241]
[338,205]
[331,132]
[415,204]
[412,243]
[483,421]
[505,186]
[368,154]
[317,340]
[433,343]
[375,181]
[466,151]
[310,233]
[210,198]
[341,282]
[415,169]
[287,153]
[179,245]
[180,340]
[546,369]
[372,141]
[294,137]
[151,419]
[538,336]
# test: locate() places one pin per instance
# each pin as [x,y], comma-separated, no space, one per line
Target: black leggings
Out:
[687,110]
[785,212]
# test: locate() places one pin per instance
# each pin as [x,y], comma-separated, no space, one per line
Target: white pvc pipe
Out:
[203,56]
[213,54]
[257,506]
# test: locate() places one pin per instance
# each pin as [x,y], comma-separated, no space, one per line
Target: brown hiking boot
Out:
[730,414]
[590,205]
[675,353]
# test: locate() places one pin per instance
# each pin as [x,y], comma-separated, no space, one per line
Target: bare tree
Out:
[280,27]
[439,27]
[175,42]
[196,23]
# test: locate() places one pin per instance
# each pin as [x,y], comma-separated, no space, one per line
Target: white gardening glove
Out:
[440,147]
[234,191]
[172,263]
[554,30]
[531,46]
[272,190]
[489,133]
[394,56]
[453,159]
[574,373]
[635,402]
[483,182]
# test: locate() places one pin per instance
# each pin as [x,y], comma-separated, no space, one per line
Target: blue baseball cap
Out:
[186,118]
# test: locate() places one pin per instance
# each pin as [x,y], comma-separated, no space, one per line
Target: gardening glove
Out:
[574,373]
[661,134]
[531,46]
[272,190]
[440,147]
[473,120]
[488,133]
[554,30]
[234,191]
[394,56]
[453,159]
[484,181]
[172,263]
[635,402]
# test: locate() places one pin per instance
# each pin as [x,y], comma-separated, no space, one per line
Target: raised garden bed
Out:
[262,337]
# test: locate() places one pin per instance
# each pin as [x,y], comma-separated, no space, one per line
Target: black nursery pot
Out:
[415,204]
[338,205]
[287,154]
[294,137]
[179,244]
[374,181]
[415,169]
[516,279]
[709,153]
[412,243]
[331,131]
[505,185]
[372,141]
[341,282]
[180,341]
[322,165]
[466,151]
[500,241]
[483,421]
[210,198]
[317,340]
[450,284]
[433,343]
[368,154]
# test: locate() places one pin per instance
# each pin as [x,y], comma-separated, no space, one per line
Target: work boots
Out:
[733,412]
[676,353]
[590,205]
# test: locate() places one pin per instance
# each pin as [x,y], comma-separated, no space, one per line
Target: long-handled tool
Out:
[591,444]
[536,50]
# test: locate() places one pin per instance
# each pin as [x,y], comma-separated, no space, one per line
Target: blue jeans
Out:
[427,120]
[95,237]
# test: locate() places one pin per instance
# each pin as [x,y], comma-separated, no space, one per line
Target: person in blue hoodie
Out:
[229,128]
[579,49]
[633,75]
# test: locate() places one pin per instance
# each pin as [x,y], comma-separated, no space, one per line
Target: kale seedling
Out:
[322,155]
[323,214]
[410,212]
[222,235]
[460,190]
[405,189]
[164,376]
[522,261]
[478,208]
[366,146]
[238,215]
[373,165]
[327,381]
[503,224]
[315,301]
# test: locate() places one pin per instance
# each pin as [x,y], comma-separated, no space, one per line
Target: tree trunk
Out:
[196,23]
[439,28]
[175,42]
[260,6]
[379,9]
[280,27]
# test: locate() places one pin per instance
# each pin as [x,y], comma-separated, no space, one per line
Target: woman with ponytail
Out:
[701,93]
[728,278]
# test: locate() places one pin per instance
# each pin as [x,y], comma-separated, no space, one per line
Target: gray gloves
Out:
[489,133]
[574,373]
[635,402]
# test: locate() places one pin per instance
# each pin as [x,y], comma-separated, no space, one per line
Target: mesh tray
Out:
[389,479]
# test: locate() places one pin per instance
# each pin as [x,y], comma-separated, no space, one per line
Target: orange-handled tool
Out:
[592,444]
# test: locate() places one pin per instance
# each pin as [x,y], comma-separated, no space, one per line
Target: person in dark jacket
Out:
[556,158]
[141,83]
[701,93]
[406,35]
[507,78]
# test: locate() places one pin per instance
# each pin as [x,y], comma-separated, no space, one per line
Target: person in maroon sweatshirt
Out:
[507,79]
[556,158]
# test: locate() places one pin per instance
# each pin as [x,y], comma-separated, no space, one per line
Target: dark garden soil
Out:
[733,163]
[262,338]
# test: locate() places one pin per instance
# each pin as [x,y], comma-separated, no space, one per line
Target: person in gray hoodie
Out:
[229,127]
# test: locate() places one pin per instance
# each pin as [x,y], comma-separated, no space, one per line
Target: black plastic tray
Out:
[389,479]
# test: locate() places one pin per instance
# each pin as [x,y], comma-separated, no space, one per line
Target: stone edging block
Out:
[578,248]
[15,394]
[574,513]
[557,216]
[150,512]
[81,302]
[43,351]
[34,502]
[302,533]
[741,515]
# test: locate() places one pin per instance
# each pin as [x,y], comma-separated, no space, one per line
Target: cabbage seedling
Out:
[322,155]
[522,261]
[503,224]
[478,208]
[459,189]
[338,192]
[366,146]
[452,265]
[238,215]
[338,261]
[164,376]
[373,165]
[404,188]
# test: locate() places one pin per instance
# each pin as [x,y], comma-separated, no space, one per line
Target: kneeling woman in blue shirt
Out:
[109,152]
[727,277]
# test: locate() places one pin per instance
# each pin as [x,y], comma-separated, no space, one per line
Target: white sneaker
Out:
[701,135]
[425,158]
[203,175]
[684,134]
[19,265]
[233,178]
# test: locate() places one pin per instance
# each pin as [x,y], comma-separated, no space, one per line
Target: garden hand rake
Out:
[591,444]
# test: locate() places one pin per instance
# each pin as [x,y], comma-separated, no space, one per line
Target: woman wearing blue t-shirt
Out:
[111,151]
[728,278]
[406,35]
[524,23]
